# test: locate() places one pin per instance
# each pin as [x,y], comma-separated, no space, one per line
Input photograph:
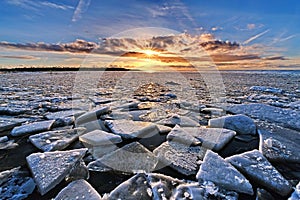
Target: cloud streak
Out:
[19,57]
[255,37]
[37,5]
[82,7]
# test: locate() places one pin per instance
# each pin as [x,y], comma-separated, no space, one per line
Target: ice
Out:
[56,140]
[32,128]
[241,124]
[255,166]
[7,123]
[130,158]
[50,168]
[211,138]
[15,184]
[128,129]
[100,142]
[214,168]
[79,189]
[181,157]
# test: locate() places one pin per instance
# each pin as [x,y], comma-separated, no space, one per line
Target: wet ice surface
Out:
[115,103]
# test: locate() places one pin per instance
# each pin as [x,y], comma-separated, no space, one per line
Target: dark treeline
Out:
[63,69]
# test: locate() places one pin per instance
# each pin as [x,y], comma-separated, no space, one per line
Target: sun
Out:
[149,52]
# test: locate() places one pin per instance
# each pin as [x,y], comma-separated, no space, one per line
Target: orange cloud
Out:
[182,50]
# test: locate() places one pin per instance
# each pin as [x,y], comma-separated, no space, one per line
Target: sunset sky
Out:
[150,35]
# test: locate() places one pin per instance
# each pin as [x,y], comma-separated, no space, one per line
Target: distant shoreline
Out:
[62,69]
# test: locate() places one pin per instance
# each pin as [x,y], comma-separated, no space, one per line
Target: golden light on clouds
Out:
[150,52]
[148,47]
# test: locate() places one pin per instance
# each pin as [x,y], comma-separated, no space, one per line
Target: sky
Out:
[151,35]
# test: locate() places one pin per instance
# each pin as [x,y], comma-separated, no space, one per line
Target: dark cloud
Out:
[275,58]
[171,48]
[217,45]
[19,57]
[229,58]
[79,46]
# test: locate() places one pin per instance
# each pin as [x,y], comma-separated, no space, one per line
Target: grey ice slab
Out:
[115,115]
[201,191]
[64,114]
[255,166]
[296,194]
[215,169]
[5,143]
[182,121]
[99,100]
[56,140]
[210,138]
[294,105]
[93,125]
[32,128]
[50,168]
[15,184]
[99,151]
[100,142]
[130,158]
[128,129]
[136,187]
[178,134]
[79,189]
[162,186]
[93,114]
[213,111]
[99,137]
[163,129]
[241,124]
[266,89]
[7,123]
[79,171]
[181,157]
[276,148]
[9,110]
[285,117]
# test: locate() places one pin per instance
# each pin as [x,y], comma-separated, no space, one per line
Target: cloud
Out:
[216,28]
[57,6]
[176,10]
[79,46]
[82,7]
[275,58]
[255,37]
[219,45]
[170,49]
[282,38]
[251,26]
[19,57]
[230,57]
[37,5]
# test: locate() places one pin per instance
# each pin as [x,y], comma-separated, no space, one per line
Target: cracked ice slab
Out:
[50,168]
[56,140]
[215,169]
[32,128]
[79,189]
[258,168]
